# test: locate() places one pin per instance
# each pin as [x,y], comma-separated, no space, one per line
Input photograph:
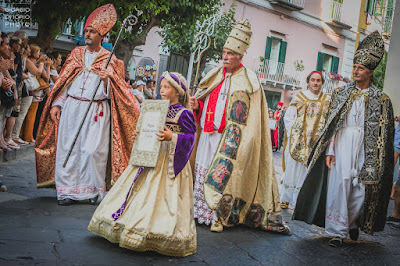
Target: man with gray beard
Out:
[235,179]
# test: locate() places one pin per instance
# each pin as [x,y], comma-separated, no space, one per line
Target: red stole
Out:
[277,115]
[210,112]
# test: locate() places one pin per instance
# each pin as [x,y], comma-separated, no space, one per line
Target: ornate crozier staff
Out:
[131,20]
[193,91]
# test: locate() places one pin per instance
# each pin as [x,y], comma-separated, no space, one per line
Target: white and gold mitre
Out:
[239,38]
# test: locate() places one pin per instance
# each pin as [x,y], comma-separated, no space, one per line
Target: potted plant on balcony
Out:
[299,65]
[261,72]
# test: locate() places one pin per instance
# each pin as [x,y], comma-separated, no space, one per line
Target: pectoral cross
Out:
[224,94]
[82,90]
[209,113]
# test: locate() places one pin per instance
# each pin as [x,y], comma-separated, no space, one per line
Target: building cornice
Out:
[300,16]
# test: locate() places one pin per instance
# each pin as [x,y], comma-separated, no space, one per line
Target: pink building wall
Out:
[305,32]
[153,43]
[304,40]
[151,49]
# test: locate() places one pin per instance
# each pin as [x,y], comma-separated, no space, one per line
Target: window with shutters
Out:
[272,98]
[275,54]
[379,7]
[382,10]
[327,63]
[274,69]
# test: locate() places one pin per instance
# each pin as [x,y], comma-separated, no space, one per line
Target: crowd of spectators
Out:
[143,90]
[27,76]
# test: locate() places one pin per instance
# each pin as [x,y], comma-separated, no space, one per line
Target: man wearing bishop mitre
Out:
[248,187]
[103,147]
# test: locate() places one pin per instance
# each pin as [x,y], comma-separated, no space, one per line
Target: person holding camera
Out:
[39,66]
[8,95]
[150,90]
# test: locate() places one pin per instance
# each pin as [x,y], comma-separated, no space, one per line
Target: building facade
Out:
[290,39]
[392,78]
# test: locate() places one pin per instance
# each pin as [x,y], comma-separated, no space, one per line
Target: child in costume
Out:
[152,208]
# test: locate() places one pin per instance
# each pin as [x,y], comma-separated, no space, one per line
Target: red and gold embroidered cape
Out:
[124,109]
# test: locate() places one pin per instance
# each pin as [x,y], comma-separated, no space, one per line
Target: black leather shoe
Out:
[354,234]
[66,202]
[93,200]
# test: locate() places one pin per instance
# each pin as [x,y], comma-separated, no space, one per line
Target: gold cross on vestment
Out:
[209,113]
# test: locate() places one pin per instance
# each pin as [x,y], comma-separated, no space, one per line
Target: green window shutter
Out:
[282,52]
[320,61]
[389,12]
[335,64]
[387,20]
[268,48]
[370,6]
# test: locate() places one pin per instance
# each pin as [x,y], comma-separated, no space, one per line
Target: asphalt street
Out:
[34,230]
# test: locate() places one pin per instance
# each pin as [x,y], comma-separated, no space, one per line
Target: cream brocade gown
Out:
[158,214]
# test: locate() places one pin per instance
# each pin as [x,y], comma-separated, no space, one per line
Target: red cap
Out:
[280,103]
[316,71]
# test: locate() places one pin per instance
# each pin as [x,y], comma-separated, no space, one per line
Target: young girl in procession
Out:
[152,208]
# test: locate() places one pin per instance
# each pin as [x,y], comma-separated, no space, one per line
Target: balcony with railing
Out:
[289,4]
[337,18]
[331,84]
[278,73]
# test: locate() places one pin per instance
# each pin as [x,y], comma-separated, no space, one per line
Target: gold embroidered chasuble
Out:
[309,124]
[240,183]
[124,109]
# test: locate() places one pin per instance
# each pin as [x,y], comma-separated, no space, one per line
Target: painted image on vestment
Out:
[220,173]
[240,108]
[236,208]
[225,206]
[231,142]
[255,216]
[239,111]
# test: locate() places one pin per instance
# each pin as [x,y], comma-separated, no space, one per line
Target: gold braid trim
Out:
[47,184]
[283,153]
[134,240]
[164,245]
[174,128]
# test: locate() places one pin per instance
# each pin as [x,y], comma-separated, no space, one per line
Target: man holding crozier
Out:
[235,177]
[107,130]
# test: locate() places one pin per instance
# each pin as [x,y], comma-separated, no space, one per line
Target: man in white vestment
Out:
[304,121]
[351,166]
[84,175]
